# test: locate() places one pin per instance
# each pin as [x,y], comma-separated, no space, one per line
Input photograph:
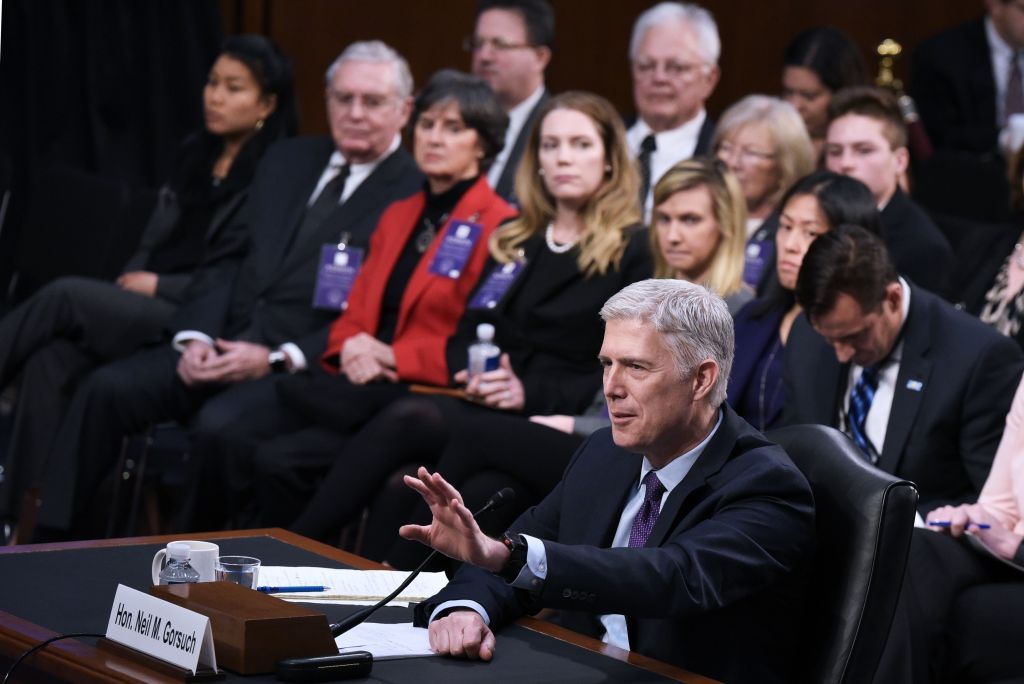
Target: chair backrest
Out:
[864,520]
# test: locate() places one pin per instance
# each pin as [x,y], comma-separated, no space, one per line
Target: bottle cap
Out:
[178,551]
[485,332]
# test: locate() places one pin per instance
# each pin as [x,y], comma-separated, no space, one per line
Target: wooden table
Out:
[77,660]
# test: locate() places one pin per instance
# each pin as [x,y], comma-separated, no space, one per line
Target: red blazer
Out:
[431,304]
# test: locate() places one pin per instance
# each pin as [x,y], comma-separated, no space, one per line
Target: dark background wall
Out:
[592,37]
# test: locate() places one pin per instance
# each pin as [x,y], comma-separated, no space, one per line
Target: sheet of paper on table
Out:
[386,642]
[352,587]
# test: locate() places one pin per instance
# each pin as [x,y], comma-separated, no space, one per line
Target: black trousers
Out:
[486,451]
[122,398]
[960,617]
[51,341]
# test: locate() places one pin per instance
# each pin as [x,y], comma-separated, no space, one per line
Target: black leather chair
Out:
[864,520]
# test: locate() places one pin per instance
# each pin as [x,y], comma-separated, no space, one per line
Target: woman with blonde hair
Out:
[765,144]
[591,202]
[698,229]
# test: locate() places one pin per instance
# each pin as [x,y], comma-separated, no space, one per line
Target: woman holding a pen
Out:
[963,594]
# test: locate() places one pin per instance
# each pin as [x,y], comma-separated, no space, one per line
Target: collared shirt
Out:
[356,175]
[517,117]
[673,146]
[877,422]
[1000,53]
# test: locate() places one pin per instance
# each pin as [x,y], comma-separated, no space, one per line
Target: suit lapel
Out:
[708,463]
[506,182]
[619,477]
[305,183]
[911,383]
[360,202]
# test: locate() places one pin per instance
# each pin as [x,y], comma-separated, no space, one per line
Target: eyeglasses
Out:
[474,44]
[679,71]
[727,152]
[370,102]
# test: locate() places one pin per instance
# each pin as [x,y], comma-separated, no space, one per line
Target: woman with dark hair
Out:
[814,205]
[424,259]
[815,65]
[75,324]
[575,244]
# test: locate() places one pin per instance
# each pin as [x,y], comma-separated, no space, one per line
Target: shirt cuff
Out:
[187,336]
[295,355]
[533,574]
[466,603]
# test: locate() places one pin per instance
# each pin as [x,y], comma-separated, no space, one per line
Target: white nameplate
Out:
[161,629]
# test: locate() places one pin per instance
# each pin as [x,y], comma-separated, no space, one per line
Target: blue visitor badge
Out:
[757,255]
[456,246]
[339,266]
[494,288]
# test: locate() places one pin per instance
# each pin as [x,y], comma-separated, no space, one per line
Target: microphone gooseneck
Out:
[498,500]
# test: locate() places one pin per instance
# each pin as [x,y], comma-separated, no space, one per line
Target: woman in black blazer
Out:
[75,324]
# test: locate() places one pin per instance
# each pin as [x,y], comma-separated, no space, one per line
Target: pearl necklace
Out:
[549,237]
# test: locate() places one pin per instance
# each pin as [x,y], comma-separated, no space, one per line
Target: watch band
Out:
[278,361]
[516,560]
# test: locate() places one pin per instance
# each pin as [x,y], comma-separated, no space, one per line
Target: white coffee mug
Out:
[202,557]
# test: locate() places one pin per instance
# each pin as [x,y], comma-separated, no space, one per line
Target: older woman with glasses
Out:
[764,143]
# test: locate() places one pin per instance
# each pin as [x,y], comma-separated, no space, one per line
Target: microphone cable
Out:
[42,644]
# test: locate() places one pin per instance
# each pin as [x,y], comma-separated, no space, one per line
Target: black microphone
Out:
[498,500]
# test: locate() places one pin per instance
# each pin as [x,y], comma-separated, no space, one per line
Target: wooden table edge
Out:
[541,626]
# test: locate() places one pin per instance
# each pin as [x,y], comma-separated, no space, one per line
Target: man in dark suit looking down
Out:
[922,388]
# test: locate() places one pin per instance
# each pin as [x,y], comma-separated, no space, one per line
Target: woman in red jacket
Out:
[424,259]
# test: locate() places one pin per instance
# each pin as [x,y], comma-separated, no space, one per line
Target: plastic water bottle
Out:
[178,570]
[484,355]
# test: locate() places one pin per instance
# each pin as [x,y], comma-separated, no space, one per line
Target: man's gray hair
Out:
[375,51]
[694,323]
[709,46]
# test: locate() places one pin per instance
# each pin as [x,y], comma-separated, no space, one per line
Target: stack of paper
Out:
[355,587]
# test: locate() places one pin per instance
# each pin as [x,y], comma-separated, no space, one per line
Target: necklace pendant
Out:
[424,239]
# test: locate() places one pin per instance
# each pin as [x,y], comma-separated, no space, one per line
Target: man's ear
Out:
[704,377]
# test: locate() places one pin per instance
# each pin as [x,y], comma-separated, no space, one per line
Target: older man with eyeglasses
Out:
[674,54]
[511,47]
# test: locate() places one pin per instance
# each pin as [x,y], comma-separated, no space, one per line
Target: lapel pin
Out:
[915,385]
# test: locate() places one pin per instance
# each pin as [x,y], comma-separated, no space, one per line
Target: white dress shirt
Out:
[673,146]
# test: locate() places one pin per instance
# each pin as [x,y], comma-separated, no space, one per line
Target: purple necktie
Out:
[644,521]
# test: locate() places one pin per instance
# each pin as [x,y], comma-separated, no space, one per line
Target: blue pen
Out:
[946,523]
[284,590]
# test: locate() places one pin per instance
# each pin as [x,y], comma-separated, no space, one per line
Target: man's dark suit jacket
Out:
[952,83]
[956,380]
[271,300]
[714,590]
[506,188]
[919,249]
